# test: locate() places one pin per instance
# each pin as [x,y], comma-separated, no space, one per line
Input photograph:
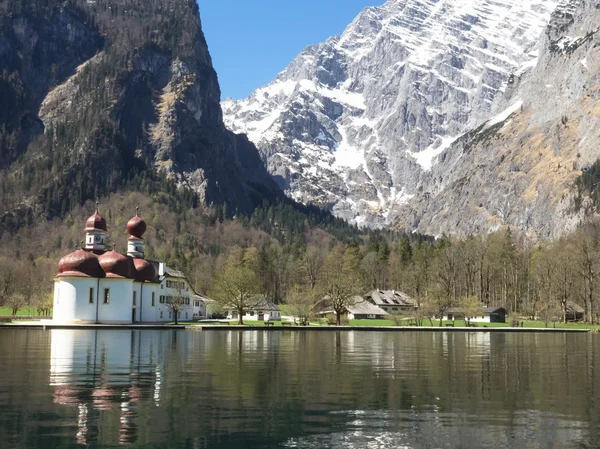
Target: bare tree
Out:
[235,289]
[372,269]
[340,282]
[444,294]
[44,303]
[7,280]
[587,262]
[29,286]
[15,302]
[471,307]
[550,312]
[312,263]
[299,303]
[438,302]
[419,273]
[175,305]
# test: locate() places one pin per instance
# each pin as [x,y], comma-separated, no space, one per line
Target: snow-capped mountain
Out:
[358,122]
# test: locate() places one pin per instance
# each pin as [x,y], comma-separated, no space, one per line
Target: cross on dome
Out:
[95,222]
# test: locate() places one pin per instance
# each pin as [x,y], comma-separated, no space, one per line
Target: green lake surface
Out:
[290,389]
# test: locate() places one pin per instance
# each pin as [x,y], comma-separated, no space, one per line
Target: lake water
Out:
[265,389]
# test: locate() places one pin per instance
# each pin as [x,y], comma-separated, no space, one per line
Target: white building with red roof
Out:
[105,287]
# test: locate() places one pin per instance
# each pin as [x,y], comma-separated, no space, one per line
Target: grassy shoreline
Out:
[527,324]
[5,312]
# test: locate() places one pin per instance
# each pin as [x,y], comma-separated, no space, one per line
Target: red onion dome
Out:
[80,263]
[136,226]
[116,265]
[144,270]
[95,223]
[66,395]
[104,397]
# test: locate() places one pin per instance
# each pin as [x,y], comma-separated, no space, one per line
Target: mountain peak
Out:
[354,124]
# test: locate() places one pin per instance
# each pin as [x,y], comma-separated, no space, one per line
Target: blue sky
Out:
[251,41]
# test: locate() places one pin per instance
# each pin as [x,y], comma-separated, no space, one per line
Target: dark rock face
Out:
[102,93]
[37,51]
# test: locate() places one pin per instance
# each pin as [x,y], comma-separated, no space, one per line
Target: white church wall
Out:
[72,300]
[148,311]
[137,301]
[257,315]
[118,310]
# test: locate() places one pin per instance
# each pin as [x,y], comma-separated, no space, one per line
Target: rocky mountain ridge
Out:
[359,124]
[100,95]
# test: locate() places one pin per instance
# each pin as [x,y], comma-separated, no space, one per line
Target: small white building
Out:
[263,310]
[483,315]
[98,286]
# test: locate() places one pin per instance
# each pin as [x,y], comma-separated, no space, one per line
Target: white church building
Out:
[105,287]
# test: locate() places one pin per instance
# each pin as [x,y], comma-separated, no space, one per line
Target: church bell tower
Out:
[95,231]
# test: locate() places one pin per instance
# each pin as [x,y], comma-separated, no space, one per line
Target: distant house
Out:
[174,286]
[484,315]
[574,312]
[392,301]
[200,306]
[264,310]
[357,309]
[213,309]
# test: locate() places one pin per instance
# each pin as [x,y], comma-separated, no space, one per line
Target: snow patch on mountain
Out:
[502,116]
[426,157]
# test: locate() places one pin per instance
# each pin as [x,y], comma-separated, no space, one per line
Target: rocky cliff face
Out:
[357,124]
[105,93]
[520,167]
[37,51]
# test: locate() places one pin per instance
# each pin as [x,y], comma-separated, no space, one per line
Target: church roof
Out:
[95,223]
[116,265]
[136,227]
[80,263]
[144,271]
[97,263]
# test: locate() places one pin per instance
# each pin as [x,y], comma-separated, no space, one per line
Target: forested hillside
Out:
[290,255]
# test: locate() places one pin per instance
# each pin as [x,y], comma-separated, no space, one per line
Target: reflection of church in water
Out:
[106,373]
